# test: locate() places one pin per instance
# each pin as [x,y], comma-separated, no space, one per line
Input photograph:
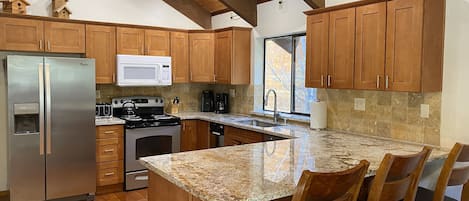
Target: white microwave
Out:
[135,70]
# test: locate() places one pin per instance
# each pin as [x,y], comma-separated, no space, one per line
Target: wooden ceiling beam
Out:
[246,9]
[193,11]
[315,4]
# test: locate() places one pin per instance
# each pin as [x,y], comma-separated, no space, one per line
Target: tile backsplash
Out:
[189,95]
[387,114]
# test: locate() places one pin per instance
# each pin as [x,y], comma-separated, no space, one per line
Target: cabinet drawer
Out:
[103,132]
[109,149]
[109,173]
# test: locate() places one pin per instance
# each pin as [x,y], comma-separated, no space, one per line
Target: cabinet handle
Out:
[113,77]
[329,80]
[214,77]
[40,45]
[378,81]
[48,45]
[108,150]
[109,174]
[108,132]
[322,80]
[387,81]
[191,75]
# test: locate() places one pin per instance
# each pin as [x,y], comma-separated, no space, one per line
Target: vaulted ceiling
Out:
[201,11]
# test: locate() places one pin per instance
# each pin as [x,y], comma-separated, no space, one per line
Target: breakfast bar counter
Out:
[268,170]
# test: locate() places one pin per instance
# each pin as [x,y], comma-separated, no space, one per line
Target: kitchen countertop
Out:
[108,121]
[270,170]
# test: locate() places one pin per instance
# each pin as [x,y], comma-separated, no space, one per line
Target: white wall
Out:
[141,12]
[273,20]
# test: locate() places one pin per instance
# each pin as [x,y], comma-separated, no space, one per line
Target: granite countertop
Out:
[270,170]
[107,121]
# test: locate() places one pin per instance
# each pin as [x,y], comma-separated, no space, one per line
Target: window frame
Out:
[293,74]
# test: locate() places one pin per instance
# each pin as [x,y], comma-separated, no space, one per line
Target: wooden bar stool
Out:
[397,177]
[337,186]
[450,176]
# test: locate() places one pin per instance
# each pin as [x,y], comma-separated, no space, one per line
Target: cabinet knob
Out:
[378,81]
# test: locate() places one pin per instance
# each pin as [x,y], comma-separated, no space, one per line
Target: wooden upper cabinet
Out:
[233,56]
[157,43]
[370,46]
[223,56]
[317,50]
[64,37]
[404,45]
[341,49]
[101,45]
[201,57]
[130,41]
[241,60]
[21,34]
[180,57]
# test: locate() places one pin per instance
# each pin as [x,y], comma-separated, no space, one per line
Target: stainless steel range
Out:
[149,131]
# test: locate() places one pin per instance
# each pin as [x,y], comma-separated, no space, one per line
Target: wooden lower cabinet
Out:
[109,158]
[195,135]
[236,136]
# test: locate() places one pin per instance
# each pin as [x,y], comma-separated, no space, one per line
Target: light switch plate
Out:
[98,94]
[360,104]
[232,93]
[425,110]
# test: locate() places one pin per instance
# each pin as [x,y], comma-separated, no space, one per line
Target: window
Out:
[284,71]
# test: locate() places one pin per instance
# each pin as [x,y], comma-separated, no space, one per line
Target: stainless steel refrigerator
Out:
[51,127]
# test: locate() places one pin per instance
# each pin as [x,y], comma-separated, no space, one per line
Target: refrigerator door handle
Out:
[41,109]
[48,109]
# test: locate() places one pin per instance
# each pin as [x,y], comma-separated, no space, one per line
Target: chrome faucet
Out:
[266,101]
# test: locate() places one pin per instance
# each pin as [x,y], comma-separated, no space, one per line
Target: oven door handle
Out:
[216,133]
[141,178]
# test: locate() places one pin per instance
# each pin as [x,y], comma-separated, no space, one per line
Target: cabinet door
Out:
[317,50]
[157,43]
[189,135]
[203,135]
[370,46]
[130,41]
[404,45]
[201,55]
[21,34]
[223,56]
[341,49]
[64,37]
[241,61]
[180,57]
[101,45]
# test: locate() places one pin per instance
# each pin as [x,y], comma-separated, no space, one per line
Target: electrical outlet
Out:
[360,104]
[232,93]
[425,111]
[98,94]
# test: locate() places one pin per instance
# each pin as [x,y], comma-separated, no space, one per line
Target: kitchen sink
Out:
[258,123]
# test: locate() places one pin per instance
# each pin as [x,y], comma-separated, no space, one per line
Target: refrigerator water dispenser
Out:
[26,118]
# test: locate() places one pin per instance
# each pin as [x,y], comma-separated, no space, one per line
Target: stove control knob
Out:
[122,101]
[115,102]
[161,100]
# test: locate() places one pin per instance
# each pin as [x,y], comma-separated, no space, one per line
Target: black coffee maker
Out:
[207,101]
[222,105]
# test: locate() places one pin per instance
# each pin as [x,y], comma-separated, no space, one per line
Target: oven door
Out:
[152,141]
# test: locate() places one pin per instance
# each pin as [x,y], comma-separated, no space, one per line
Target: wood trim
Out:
[100,190]
[193,11]
[316,4]
[233,28]
[246,9]
[4,195]
[218,12]
[342,6]
[53,19]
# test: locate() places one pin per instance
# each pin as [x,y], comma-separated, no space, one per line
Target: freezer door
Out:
[70,127]
[26,159]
